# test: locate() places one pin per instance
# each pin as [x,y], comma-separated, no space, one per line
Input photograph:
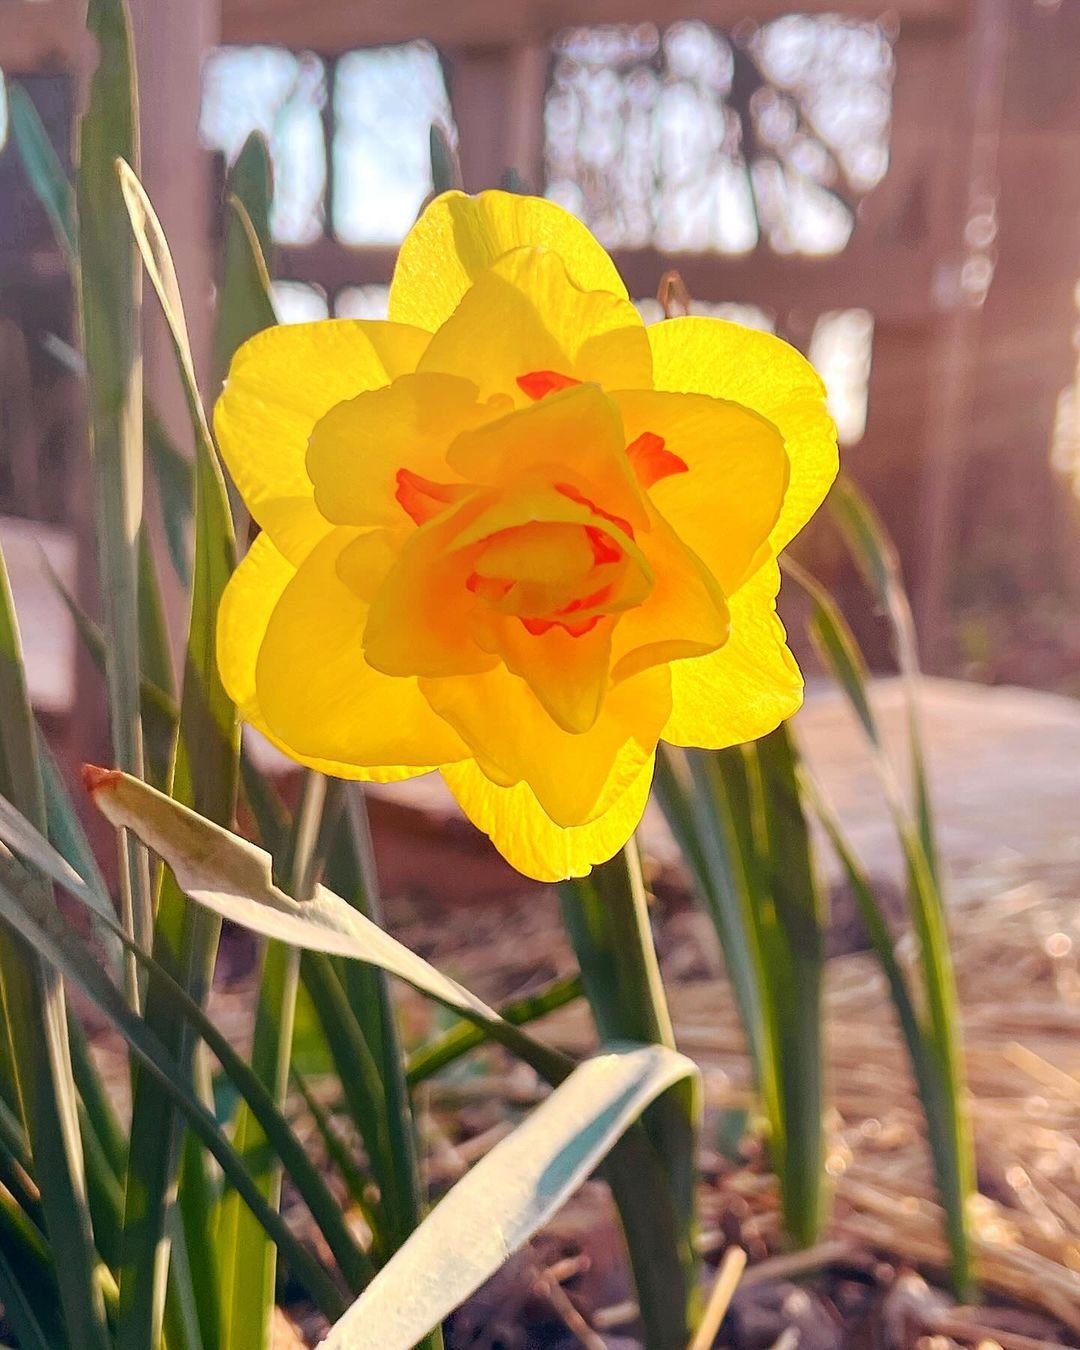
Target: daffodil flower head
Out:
[515,535]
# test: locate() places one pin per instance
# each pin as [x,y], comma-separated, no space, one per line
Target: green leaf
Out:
[935,1043]
[607,920]
[21,836]
[251,182]
[33,849]
[507,1196]
[22,905]
[245,307]
[340,1154]
[462,1037]
[367,988]
[445,166]
[22,1310]
[736,814]
[878,560]
[174,474]
[159,709]
[110,293]
[42,165]
[35,1026]
[205,775]
[692,793]
[246,1258]
[226,874]
[790,917]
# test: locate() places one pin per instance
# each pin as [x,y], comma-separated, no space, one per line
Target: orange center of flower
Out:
[544,571]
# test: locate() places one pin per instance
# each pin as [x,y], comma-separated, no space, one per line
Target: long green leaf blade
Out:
[43,167]
[110,294]
[790,926]
[35,1024]
[246,307]
[458,1040]
[691,793]
[22,905]
[231,877]
[246,1258]
[606,918]
[935,1045]
[205,775]
[506,1197]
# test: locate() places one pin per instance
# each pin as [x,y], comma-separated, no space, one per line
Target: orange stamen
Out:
[422,499]
[537,384]
[651,461]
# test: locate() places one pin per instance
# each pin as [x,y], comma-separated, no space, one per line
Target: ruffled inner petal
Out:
[523,315]
[574,777]
[730,494]
[360,448]
[281,382]
[317,692]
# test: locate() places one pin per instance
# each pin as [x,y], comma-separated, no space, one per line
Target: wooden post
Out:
[172,42]
[962,291]
[497,97]
[990,493]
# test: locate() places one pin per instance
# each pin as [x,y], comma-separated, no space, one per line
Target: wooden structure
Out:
[966,253]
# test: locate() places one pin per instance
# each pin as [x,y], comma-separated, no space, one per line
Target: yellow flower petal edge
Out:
[526,836]
[458,237]
[746,688]
[280,383]
[513,535]
[768,376]
[249,601]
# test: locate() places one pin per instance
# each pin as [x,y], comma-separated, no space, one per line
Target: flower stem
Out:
[652,1179]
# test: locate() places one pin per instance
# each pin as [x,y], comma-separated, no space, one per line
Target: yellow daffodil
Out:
[515,535]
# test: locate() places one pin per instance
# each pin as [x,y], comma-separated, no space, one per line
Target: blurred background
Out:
[895,190]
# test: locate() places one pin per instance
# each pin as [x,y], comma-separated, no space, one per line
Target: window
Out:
[693,140]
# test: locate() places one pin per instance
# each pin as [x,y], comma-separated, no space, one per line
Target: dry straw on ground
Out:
[1016,952]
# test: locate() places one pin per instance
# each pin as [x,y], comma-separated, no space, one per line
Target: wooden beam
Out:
[47,37]
[338,25]
[893,282]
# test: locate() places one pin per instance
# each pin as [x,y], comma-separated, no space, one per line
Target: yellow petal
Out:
[523,314]
[253,590]
[458,237]
[730,497]
[316,691]
[575,778]
[420,621]
[711,356]
[525,835]
[359,446]
[280,383]
[568,675]
[249,599]
[684,615]
[749,686]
